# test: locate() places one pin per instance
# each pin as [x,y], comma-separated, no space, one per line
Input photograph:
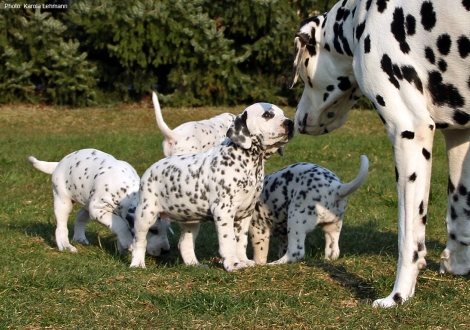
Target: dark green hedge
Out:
[193,52]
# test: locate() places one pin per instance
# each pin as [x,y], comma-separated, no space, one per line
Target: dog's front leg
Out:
[224,225]
[114,222]
[412,147]
[189,232]
[241,235]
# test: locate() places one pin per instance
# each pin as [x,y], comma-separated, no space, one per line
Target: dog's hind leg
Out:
[80,224]
[332,232]
[62,209]
[189,232]
[260,238]
[455,259]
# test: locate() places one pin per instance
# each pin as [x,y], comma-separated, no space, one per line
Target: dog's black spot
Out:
[397,298]
[408,135]
[443,44]
[464,46]
[428,15]
[426,154]
[380,100]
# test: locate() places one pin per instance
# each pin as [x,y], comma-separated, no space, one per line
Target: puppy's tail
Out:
[46,167]
[166,131]
[347,189]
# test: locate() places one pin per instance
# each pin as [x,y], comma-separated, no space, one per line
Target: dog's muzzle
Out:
[289,125]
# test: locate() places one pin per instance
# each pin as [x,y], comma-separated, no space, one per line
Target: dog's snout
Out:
[302,123]
[165,251]
[289,125]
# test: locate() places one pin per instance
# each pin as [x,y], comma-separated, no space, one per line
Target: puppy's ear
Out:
[239,132]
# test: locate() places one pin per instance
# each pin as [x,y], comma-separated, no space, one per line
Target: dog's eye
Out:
[268,115]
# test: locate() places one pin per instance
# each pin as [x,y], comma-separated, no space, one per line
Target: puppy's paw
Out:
[123,249]
[231,266]
[137,264]
[81,240]
[69,247]
[249,263]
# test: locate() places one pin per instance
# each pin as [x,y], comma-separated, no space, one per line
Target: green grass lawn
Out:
[42,288]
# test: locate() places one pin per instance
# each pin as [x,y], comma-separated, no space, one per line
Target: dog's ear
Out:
[239,132]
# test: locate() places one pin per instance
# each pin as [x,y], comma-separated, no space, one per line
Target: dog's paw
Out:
[69,247]
[384,303]
[123,249]
[249,263]
[231,266]
[283,260]
[81,240]
[137,264]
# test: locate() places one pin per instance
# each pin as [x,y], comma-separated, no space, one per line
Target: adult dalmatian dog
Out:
[192,137]
[107,189]
[294,201]
[220,185]
[411,60]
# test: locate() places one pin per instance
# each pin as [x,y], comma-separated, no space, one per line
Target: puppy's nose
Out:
[165,251]
[289,125]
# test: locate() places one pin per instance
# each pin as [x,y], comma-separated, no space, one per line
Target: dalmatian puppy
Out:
[411,60]
[294,201]
[219,185]
[192,137]
[189,138]
[107,189]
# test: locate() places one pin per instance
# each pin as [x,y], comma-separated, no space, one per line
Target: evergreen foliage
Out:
[37,65]
[193,52]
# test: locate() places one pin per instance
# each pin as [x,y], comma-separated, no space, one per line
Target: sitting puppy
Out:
[107,189]
[220,185]
[294,201]
[194,136]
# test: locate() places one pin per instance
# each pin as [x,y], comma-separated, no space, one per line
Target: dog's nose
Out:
[289,125]
[165,251]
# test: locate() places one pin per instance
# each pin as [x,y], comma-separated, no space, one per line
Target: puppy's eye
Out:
[268,115]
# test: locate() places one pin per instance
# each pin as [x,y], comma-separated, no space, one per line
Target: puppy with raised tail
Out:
[194,136]
[219,185]
[294,201]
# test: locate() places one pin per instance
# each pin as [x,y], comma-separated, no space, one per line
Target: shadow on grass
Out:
[356,240]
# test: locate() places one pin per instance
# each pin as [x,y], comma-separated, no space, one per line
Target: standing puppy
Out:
[220,185]
[294,201]
[107,189]
[194,136]
[189,138]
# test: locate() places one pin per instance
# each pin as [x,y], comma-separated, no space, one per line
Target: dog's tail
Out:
[46,167]
[347,189]
[166,131]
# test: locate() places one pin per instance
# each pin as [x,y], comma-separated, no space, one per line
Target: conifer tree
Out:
[33,53]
